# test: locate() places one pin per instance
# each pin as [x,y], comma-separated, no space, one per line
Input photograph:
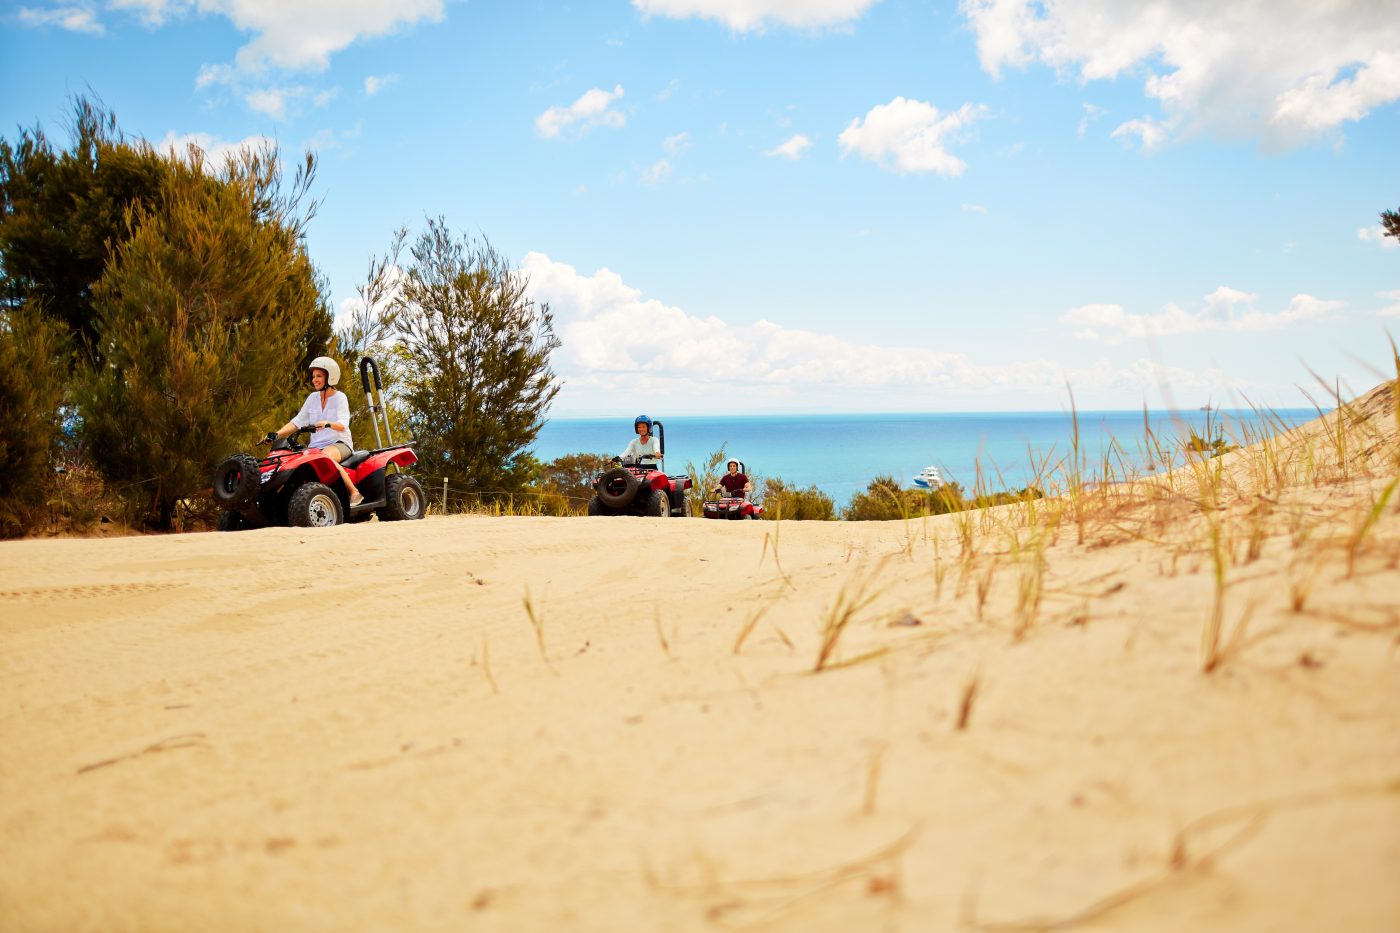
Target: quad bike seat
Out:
[355,459]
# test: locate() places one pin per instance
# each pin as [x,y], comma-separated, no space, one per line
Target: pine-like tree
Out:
[477,375]
[34,365]
[63,213]
[1390,220]
[206,315]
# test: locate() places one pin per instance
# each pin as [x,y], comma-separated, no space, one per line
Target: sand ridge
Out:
[615,723]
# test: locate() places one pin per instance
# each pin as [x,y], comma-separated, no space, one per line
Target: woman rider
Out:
[644,445]
[327,410]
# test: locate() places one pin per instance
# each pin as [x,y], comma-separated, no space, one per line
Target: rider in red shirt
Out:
[734,483]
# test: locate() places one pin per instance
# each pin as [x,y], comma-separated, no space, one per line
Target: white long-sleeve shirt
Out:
[337,409]
[636,450]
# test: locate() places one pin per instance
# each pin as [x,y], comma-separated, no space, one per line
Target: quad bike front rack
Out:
[375,399]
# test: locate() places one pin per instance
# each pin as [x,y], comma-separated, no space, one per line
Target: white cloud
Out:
[376,83]
[74,18]
[792,148]
[909,136]
[384,292]
[593,108]
[1393,309]
[754,15]
[973,209]
[1283,71]
[1091,113]
[213,74]
[1376,234]
[271,101]
[676,144]
[216,151]
[304,34]
[1225,309]
[293,35]
[610,331]
[1152,134]
[660,171]
[151,12]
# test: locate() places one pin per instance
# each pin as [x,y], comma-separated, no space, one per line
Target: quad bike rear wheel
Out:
[314,505]
[596,507]
[405,499]
[236,482]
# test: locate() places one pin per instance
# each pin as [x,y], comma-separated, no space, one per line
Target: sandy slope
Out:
[358,728]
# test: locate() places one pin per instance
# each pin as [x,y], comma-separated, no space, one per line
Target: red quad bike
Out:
[640,488]
[731,505]
[300,486]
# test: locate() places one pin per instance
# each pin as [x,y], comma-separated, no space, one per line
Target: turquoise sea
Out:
[841,454]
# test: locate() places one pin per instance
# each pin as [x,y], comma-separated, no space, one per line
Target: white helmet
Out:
[331,367]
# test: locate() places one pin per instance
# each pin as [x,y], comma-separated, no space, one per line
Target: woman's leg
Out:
[334,453]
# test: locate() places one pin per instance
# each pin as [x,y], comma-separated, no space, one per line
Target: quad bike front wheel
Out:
[617,487]
[236,482]
[230,521]
[405,499]
[596,507]
[314,505]
[658,504]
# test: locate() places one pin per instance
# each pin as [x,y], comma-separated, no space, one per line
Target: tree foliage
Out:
[784,502]
[34,353]
[370,332]
[1390,220]
[63,214]
[206,316]
[477,375]
[571,476]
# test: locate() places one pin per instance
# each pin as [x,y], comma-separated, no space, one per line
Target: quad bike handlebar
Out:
[271,438]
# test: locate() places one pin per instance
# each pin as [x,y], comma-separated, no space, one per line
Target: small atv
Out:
[300,486]
[731,505]
[640,488]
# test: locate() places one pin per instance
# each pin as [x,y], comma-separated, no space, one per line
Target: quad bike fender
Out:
[382,459]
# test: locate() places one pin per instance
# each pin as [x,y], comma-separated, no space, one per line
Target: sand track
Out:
[357,728]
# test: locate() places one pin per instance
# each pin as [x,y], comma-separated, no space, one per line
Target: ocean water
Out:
[841,454]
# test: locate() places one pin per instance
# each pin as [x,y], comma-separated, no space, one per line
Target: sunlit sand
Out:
[1173,705]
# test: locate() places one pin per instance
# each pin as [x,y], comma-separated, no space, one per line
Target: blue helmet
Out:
[641,419]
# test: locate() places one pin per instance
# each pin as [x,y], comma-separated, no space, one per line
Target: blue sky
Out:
[832,205]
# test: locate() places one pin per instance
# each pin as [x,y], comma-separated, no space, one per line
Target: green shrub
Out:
[790,504]
[34,362]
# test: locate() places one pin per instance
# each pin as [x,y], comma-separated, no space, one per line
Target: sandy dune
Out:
[361,728]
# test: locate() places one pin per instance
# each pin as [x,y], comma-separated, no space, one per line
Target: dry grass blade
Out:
[1368,521]
[184,740]
[486,665]
[849,601]
[872,779]
[763,899]
[1181,863]
[747,629]
[969,697]
[537,623]
[660,634]
[776,561]
[1210,635]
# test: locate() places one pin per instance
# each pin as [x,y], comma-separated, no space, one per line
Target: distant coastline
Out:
[841,453]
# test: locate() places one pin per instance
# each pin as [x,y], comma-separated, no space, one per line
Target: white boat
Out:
[929,478]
